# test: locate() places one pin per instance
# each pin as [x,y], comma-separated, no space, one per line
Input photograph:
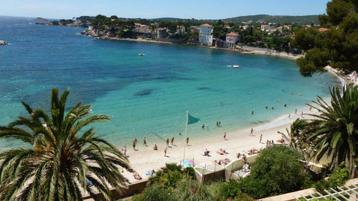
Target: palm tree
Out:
[61,158]
[333,132]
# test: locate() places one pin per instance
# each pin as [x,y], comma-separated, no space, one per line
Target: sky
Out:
[201,9]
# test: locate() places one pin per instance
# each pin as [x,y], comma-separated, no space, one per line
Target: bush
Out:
[229,189]
[190,190]
[338,178]
[277,170]
[186,190]
[243,197]
[155,193]
[170,176]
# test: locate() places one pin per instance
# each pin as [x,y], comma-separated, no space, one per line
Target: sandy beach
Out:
[268,52]
[145,159]
[242,49]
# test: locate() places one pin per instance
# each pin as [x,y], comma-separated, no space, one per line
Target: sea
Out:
[147,95]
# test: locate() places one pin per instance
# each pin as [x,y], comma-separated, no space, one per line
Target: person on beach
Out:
[172,141]
[187,141]
[134,143]
[252,131]
[155,148]
[261,138]
[167,142]
[145,141]
[203,126]
[225,136]
[302,114]
[206,152]
[165,152]
[238,155]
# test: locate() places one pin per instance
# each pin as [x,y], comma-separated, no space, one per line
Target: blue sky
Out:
[204,9]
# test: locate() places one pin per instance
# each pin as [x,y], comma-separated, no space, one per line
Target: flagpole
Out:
[186,132]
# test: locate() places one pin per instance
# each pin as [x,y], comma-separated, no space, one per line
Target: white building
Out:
[206,34]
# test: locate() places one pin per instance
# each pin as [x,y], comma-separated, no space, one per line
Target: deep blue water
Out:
[146,95]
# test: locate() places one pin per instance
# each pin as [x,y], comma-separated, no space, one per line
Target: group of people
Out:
[169,144]
[218,124]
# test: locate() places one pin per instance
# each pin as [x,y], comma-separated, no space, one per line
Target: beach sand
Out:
[241,141]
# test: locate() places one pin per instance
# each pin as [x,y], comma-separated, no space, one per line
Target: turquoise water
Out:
[147,96]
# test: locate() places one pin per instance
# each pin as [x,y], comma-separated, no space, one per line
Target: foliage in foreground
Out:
[230,190]
[171,175]
[277,170]
[333,133]
[61,158]
[174,184]
[338,178]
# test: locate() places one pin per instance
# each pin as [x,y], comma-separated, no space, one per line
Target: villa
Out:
[206,34]
[162,33]
[142,28]
[231,39]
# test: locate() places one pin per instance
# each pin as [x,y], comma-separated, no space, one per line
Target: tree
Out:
[277,170]
[337,10]
[333,133]
[305,38]
[337,46]
[61,158]
[297,140]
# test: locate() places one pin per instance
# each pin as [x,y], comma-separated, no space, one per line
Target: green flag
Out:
[192,119]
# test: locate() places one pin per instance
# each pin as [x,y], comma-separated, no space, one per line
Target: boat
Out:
[2,42]
[233,66]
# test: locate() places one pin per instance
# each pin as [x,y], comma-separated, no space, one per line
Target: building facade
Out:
[231,39]
[206,34]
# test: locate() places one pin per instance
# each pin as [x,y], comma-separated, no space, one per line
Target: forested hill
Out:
[307,19]
[280,19]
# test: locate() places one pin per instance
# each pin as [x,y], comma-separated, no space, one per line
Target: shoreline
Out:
[145,159]
[246,50]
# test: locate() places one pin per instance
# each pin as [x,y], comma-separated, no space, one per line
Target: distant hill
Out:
[307,19]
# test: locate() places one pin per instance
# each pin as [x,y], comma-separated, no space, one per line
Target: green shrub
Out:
[170,176]
[229,189]
[337,178]
[190,190]
[277,170]
[243,197]
[155,193]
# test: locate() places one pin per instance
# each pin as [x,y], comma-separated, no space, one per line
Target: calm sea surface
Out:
[146,96]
